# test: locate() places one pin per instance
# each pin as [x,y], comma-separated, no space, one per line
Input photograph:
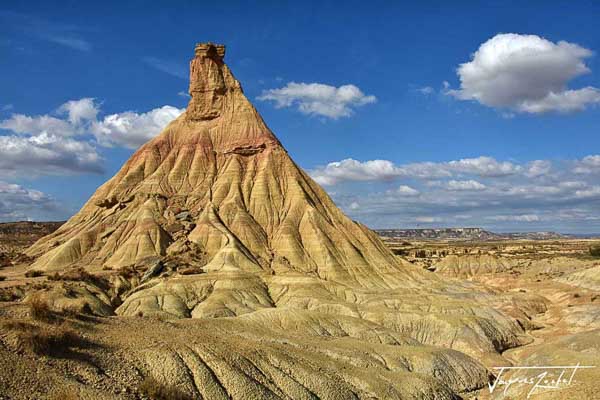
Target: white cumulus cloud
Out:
[81,110]
[538,168]
[130,129]
[516,218]
[469,185]
[484,166]
[23,124]
[587,165]
[353,170]
[405,190]
[318,98]
[526,73]
[20,203]
[45,154]
[66,141]
[378,170]
[480,191]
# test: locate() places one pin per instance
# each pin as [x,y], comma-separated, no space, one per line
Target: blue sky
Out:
[511,146]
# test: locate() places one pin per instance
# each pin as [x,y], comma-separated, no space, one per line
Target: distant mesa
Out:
[465,234]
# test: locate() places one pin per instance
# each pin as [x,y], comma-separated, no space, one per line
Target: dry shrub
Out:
[33,273]
[46,340]
[155,390]
[5,260]
[49,341]
[78,275]
[2,278]
[128,272]
[64,393]
[595,251]
[190,271]
[8,294]
[23,259]
[39,310]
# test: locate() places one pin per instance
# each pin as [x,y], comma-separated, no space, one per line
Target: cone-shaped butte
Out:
[332,311]
[216,186]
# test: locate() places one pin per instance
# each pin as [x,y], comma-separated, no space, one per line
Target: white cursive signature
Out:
[543,377]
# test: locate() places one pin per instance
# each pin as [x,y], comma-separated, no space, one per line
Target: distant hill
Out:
[25,233]
[464,234]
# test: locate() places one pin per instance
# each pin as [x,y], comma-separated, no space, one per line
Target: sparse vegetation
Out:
[46,340]
[400,252]
[157,391]
[421,254]
[34,273]
[5,260]
[128,272]
[8,294]
[2,278]
[39,310]
[78,275]
[64,393]
[190,271]
[595,251]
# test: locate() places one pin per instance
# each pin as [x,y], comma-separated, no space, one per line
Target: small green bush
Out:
[595,251]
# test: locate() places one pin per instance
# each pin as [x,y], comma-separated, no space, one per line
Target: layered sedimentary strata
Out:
[268,252]
[246,205]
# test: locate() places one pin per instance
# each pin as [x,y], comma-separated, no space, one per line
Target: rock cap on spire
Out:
[210,50]
[210,80]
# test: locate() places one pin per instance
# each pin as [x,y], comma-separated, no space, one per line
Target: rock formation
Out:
[217,182]
[225,224]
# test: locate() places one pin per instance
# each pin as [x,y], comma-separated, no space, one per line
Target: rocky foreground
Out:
[211,266]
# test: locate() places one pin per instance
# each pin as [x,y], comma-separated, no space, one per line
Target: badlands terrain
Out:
[212,267]
[550,288]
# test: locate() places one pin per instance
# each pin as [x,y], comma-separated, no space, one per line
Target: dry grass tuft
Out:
[190,271]
[78,275]
[39,310]
[155,390]
[44,340]
[33,273]
[64,393]
[128,272]
[8,294]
